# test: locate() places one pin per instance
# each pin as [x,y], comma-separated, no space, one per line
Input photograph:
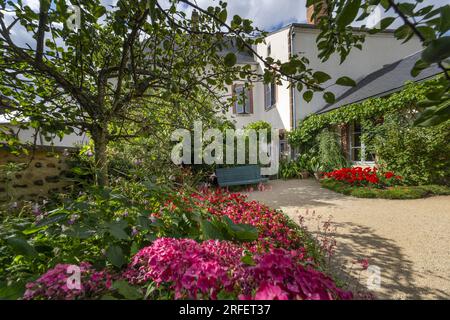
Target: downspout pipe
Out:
[294,107]
[293,89]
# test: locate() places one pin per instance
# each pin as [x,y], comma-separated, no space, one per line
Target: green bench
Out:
[242,175]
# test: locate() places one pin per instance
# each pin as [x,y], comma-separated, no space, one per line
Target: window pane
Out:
[272,96]
[239,103]
[268,96]
[357,140]
[370,156]
[356,154]
[247,101]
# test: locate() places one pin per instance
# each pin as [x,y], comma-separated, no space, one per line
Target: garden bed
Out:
[166,244]
[394,192]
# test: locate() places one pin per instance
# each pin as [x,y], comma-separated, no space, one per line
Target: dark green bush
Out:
[420,155]
[397,192]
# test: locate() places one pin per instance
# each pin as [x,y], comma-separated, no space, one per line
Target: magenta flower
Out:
[270,292]
[53,285]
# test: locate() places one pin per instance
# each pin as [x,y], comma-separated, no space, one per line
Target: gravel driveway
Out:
[409,240]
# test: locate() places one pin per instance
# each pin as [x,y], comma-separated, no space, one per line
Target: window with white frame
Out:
[270,98]
[243,104]
[358,150]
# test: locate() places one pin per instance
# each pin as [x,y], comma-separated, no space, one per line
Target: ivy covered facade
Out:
[380,131]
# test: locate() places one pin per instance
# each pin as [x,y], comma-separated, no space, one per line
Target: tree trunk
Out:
[101,160]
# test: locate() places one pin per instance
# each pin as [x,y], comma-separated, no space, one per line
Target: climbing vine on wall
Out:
[366,111]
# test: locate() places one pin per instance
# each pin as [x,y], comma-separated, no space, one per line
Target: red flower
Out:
[389,174]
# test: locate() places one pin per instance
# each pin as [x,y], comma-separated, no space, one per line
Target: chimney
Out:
[322,6]
[194,20]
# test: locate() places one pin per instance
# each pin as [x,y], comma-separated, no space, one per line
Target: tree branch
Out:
[40,35]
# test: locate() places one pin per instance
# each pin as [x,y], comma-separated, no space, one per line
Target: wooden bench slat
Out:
[242,175]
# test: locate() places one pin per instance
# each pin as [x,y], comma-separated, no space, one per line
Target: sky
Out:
[266,14]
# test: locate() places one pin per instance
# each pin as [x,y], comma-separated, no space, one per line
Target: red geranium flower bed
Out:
[358,176]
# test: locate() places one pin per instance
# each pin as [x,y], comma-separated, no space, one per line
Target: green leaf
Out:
[242,232]
[51,220]
[12,291]
[210,231]
[116,229]
[108,297]
[407,8]
[402,32]
[321,77]
[308,95]
[80,232]
[427,32]
[346,81]
[329,97]
[348,13]
[230,59]
[134,248]
[288,68]
[444,25]
[248,260]
[437,50]
[384,23]
[21,246]
[434,115]
[127,291]
[115,255]
[418,67]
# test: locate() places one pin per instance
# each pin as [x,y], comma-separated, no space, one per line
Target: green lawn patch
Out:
[397,192]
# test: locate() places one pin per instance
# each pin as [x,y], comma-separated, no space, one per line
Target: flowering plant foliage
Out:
[54,284]
[190,269]
[280,264]
[210,269]
[358,176]
[274,228]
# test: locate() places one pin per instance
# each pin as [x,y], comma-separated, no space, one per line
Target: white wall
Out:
[279,116]
[378,50]
[68,141]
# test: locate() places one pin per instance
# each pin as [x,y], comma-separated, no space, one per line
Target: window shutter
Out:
[233,94]
[275,94]
[266,96]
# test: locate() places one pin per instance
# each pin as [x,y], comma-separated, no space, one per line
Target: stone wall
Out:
[44,173]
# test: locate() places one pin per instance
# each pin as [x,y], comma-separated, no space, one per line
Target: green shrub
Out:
[435,189]
[330,155]
[364,192]
[420,155]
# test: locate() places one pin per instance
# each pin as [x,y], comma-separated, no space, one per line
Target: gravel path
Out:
[408,239]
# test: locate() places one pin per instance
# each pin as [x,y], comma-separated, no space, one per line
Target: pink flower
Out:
[52,285]
[270,292]
[192,270]
[364,263]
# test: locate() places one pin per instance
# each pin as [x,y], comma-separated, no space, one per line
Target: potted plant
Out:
[304,168]
[315,167]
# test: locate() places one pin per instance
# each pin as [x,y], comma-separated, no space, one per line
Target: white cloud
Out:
[272,14]
[266,14]
[33,4]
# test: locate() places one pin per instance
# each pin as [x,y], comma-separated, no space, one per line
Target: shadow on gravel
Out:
[396,270]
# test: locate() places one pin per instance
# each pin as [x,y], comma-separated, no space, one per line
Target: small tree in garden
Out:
[104,69]
[427,22]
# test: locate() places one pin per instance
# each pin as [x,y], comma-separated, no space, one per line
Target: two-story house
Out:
[284,107]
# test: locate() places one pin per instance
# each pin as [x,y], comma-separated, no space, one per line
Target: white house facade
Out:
[284,107]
